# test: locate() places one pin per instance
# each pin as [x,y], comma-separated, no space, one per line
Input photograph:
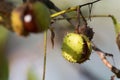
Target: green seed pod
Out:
[30,18]
[76,48]
[16,20]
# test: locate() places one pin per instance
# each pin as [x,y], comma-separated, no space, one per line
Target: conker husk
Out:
[30,18]
[76,48]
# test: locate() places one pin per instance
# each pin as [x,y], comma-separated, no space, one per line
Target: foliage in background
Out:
[3,61]
[31,75]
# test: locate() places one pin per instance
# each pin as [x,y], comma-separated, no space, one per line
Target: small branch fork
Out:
[102,55]
[72,9]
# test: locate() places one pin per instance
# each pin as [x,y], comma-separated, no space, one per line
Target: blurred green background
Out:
[3,58]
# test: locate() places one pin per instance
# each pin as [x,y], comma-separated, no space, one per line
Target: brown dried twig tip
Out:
[52,36]
[101,54]
[84,29]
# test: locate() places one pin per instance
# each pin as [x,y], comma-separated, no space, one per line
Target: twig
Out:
[63,12]
[71,9]
[106,62]
[45,50]
[90,3]
[78,20]
[90,10]
[64,15]
[85,22]
[74,17]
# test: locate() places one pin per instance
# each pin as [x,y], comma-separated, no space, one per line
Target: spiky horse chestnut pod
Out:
[76,48]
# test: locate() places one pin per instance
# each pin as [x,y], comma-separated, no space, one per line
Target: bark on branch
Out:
[101,54]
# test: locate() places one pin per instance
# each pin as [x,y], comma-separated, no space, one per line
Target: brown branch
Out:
[75,17]
[64,15]
[69,19]
[90,3]
[78,20]
[85,22]
[101,54]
